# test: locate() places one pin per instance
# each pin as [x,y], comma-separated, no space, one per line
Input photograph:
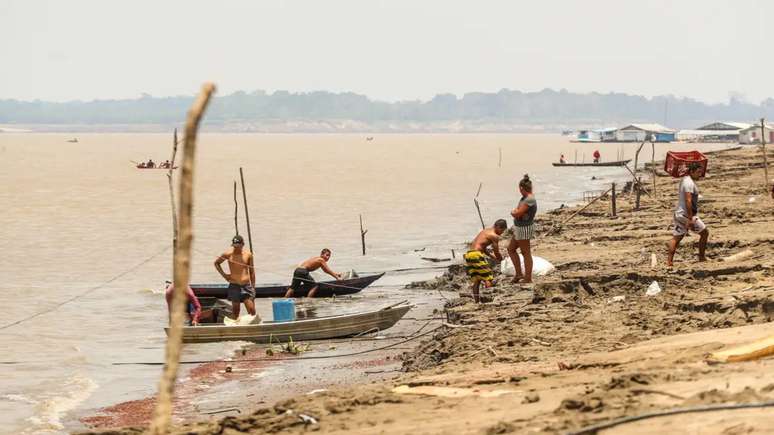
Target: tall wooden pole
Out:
[247,213]
[236,212]
[162,414]
[653,164]
[612,199]
[362,234]
[478,208]
[172,195]
[765,158]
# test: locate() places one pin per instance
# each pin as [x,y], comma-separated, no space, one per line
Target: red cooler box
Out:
[676,163]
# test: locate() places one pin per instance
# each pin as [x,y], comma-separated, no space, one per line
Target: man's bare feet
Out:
[517,278]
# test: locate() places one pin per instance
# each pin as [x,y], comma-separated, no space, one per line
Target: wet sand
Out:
[566,354]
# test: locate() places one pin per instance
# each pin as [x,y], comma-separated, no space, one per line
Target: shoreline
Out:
[586,345]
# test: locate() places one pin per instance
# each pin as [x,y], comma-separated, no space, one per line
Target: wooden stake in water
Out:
[162,414]
[478,208]
[247,213]
[500,161]
[362,233]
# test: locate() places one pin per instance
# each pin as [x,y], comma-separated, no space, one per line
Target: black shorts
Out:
[302,280]
[240,292]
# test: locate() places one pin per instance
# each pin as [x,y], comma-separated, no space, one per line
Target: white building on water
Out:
[638,133]
[714,132]
[752,134]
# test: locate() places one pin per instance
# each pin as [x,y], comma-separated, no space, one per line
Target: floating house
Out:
[725,126]
[607,134]
[587,136]
[598,135]
[639,132]
[752,134]
[714,132]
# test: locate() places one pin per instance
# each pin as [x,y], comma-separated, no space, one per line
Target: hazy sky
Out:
[389,50]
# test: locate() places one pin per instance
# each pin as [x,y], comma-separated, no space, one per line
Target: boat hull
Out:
[321,328]
[326,288]
[602,164]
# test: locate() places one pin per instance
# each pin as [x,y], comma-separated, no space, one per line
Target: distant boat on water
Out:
[613,163]
[73,140]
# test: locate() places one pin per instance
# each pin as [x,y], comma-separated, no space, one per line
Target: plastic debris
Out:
[307,419]
[620,298]
[653,289]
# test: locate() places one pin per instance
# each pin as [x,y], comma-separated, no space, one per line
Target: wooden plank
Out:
[748,352]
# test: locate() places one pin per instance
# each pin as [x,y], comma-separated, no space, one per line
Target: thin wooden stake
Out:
[362,233]
[478,208]
[765,159]
[172,195]
[247,213]
[500,162]
[612,199]
[653,165]
[162,414]
[236,211]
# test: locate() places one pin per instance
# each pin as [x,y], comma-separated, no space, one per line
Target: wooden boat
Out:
[155,167]
[326,288]
[321,328]
[614,163]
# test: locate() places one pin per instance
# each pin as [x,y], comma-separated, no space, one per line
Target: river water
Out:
[84,236]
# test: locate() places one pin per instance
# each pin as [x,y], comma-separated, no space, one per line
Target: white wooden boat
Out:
[320,328]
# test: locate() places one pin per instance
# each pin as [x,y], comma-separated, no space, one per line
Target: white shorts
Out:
[682,225]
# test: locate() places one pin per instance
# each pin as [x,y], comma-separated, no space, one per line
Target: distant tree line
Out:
[546,107]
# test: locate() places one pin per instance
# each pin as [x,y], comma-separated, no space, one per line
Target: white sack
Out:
[540,266]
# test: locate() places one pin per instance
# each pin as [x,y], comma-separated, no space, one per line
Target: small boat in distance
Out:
[326,289]
[613,163]
[319,328]
[73,140]
[155,167]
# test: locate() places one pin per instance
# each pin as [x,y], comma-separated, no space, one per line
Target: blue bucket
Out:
[284,310]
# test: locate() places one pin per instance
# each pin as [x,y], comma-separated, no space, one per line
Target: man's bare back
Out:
[313,263]
[484,239]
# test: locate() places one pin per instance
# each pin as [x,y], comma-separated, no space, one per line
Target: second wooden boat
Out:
[321,328]
[613,163]
[326,288]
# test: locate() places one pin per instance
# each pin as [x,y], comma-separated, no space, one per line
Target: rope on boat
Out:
[411,338]
[590,430]
[80,295]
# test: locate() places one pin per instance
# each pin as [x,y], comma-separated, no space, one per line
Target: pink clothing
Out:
[194,311]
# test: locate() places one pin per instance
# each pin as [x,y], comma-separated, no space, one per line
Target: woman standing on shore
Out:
[523,231]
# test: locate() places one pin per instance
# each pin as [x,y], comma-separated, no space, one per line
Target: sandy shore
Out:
[571,353]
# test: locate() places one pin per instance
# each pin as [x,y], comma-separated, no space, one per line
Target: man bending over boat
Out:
[476,262]
[193,307]
[241,276]
[302,280]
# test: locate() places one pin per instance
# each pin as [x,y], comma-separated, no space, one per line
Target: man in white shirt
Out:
[686,214]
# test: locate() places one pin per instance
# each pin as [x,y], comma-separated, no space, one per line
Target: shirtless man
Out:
[241,275]
[476,262]
[303,280]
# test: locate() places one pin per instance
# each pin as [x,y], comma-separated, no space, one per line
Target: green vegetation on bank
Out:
[543,107]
